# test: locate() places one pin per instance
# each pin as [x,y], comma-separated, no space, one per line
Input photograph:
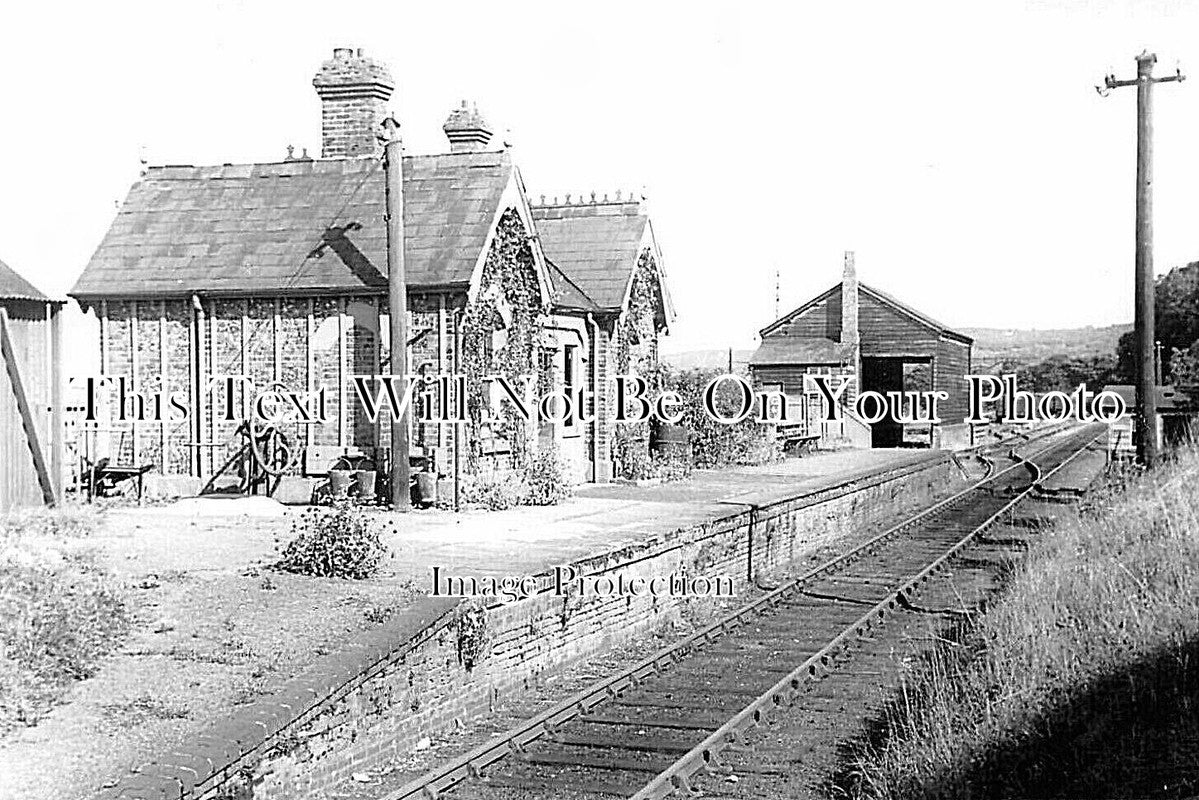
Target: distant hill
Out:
[991,345]
[1031,346]
[708,359]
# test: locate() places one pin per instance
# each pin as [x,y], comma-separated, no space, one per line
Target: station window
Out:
[570,371]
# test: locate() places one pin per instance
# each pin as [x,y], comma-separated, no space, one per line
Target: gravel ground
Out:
[211,632]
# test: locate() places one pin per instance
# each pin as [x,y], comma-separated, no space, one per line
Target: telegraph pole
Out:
[1147,443]
[397,305]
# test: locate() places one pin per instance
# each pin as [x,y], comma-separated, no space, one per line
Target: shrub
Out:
[59,616]
[337,542]
[492,492]
[545,480]
[671,465]
[632,452]
[715,444]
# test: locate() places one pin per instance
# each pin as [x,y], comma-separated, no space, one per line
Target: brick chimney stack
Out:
[466,129]
[849,303]
[352,89]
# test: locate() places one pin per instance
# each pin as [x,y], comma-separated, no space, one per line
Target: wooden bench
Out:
[797,439]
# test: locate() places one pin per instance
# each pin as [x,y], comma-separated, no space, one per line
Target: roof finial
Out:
[568,199]
[291,153]
[618,195]
[593,197]
[542,200]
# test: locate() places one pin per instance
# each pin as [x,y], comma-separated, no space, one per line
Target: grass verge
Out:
[1081,680]
[59,612]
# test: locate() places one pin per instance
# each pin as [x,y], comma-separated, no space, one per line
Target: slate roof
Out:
[14,287]
[596,244]
[565,294]
[794,350]
[302,226]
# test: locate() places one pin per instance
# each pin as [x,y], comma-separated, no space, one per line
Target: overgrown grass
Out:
[60,613]
[1081,681]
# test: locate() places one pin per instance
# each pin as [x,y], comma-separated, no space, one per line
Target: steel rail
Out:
[704,756]
[435,782]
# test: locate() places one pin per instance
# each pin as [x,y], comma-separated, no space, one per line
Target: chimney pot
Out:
[466,129]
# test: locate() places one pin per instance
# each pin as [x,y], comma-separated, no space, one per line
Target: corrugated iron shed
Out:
[14,287]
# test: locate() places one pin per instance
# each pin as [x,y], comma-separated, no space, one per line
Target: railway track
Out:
[648,731]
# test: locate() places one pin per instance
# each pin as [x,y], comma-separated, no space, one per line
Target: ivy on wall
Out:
[500,335]
[636,353]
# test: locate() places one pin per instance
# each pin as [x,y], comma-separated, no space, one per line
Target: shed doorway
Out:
[897,374]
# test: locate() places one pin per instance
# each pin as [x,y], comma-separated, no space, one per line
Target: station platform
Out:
[197,574]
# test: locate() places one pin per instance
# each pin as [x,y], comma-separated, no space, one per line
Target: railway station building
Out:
[857,332]
[277,271]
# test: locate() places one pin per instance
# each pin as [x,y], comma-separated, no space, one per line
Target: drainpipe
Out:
[593,326]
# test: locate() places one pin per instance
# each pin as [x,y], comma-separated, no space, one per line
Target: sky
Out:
[960,149]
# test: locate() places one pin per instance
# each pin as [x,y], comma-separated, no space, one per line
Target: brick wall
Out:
[349,127]
[369,705]
[354,90]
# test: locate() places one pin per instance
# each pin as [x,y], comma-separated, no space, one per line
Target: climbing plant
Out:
[637,325]
[500,331]
[639,322]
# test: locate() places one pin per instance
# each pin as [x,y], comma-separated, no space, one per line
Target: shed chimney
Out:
[849,303]
[466,129]
[352,89]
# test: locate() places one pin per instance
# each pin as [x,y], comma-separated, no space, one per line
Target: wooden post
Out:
[459,402]
[277,341]
[397,301]
[134,379]
[1148,446]
[342,360]
[57,431]
[197,381]
[245,356]
[309,374]
[443,363]
[164,386]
